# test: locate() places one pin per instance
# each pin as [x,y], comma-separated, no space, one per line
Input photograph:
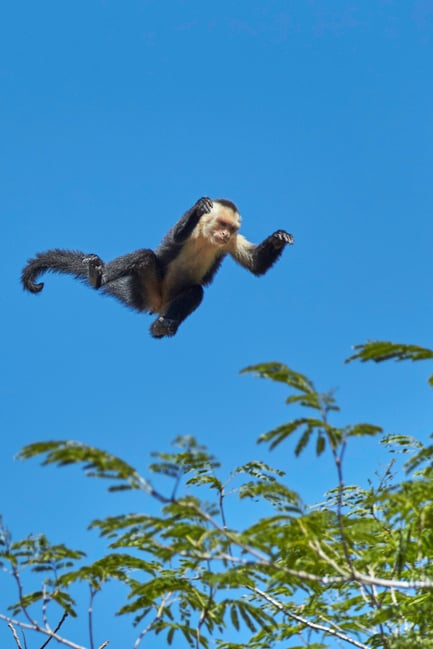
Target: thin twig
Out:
[39,629]
[205,611]
[150,626]
[15,635]
[64,616]
[17,578]
[90,616]
[315,545]
[44,607]
[311,625]
[262,560]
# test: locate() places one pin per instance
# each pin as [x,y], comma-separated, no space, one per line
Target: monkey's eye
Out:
[227,226]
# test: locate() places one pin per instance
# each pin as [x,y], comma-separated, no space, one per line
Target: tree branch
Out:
[15,635]
[311,625]
[39,629]
[64,616]
[346,577]
[157,617]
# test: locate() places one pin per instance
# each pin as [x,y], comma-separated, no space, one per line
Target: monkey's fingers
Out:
[204,205]
[281,238]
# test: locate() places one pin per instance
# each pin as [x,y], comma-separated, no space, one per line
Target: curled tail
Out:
[71,262]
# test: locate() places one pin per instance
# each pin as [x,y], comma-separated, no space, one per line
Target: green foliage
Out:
[356,569]
[305,395]
[379,351]
[96,463]
[40,556]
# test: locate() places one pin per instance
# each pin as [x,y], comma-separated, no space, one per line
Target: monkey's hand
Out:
[280,238]
[203,206]
[183,229]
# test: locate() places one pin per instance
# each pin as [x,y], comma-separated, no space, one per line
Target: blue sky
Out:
[313,116]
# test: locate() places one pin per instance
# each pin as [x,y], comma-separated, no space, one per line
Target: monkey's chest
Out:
[191,265]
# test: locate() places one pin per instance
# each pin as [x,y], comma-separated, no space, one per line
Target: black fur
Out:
[139,279]
[180,308]
[266,254]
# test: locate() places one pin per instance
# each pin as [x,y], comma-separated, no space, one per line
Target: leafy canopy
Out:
[356,568]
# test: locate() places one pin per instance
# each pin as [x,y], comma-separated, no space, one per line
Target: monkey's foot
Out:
[95,266]
[280,238]
[164,327]
[203,206]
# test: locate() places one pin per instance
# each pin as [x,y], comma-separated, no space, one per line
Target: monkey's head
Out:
[222,222]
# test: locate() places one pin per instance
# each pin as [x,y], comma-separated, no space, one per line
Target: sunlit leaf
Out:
[379,351]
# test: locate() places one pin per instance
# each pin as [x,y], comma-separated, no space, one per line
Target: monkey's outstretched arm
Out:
[186,224]
[71,262]
[258,259]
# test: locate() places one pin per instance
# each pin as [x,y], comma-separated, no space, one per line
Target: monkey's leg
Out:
[178,309]
[134,279]
[70,262]
[133,263]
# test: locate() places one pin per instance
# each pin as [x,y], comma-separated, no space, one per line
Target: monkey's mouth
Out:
[221,237]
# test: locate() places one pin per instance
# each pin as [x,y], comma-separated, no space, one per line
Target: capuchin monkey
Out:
[168,281]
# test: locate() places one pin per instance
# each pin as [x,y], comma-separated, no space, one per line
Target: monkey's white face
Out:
[221,224]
